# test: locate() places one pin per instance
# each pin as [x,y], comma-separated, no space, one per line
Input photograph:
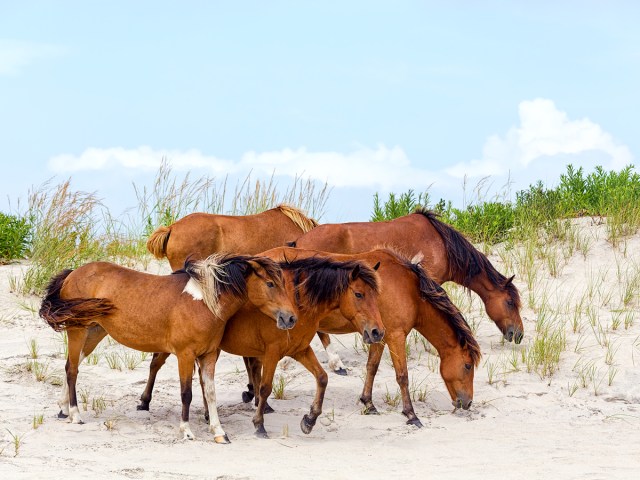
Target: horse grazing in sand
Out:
[409,299]
[448,256]
[198,235]
[321,285]
[183,313]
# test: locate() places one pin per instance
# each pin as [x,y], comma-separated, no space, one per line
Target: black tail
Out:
[73,312]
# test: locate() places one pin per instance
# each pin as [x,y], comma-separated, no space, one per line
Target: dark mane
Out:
[432,292]
[322,280]
[464,260]
[221,274]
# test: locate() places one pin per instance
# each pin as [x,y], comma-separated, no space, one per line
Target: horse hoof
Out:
[62,415]
[306,424]
[247,397]
[143,406]
[415,421]
[340,371]
[261,432]
[268,409]
[371,410]
[188,436]
[222,439]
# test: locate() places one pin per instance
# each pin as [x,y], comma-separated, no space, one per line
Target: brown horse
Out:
[319,284]
[183,313]
[409,299]
[198,235]
[448,256]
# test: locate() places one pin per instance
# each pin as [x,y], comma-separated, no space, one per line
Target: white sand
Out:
[521,426]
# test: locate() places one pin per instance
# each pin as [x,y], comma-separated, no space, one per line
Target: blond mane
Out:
[296,216]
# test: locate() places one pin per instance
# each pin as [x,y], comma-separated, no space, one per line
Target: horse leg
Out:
[185,368]
[398,354]
[75,341]
[335,363]
[207,373]
[254,366]
[266,385]
[308,359]
[373,362]
[156,364]
[249,394]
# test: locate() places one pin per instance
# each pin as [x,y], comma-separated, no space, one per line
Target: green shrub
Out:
[405,204]
[15,233]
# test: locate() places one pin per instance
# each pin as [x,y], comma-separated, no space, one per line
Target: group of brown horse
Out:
[261,286]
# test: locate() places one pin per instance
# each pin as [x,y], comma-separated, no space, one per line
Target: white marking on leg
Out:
[63,401]
[74,415]
[193,289]
[215,426]
[186,431]
[335,363]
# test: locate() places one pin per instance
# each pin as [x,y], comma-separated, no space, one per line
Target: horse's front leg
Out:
[186,363]
[398,354]
[266,385]
[76,338]
[207,373]
[308,359]
[373,362]
[156,364]
[250,393]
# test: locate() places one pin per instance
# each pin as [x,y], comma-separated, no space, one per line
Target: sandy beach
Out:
[582,421]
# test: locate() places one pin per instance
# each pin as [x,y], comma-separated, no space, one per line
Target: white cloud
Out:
[381,167]
[539,148]
[544,131]
[17,55]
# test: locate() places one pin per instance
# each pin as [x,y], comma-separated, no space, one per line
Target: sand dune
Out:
[583,421]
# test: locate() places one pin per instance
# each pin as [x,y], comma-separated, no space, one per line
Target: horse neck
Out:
[433,324]
[481,285]
[229,305]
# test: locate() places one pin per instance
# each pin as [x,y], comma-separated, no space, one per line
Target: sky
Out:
[365,96]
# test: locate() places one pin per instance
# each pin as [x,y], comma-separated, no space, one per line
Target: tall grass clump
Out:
[15,233]
[64,233]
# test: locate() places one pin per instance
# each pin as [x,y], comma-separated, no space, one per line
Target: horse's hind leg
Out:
[335,363]
[308,359]
[75,342]
[156,364]
[207,374]
[373,362]
[185,368]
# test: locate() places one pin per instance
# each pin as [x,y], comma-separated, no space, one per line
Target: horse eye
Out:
[359,295]
[270,284]
[467,366]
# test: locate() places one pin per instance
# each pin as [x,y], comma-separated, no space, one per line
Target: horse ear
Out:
[509,280]
[376,266]
[355,273]
[248,267]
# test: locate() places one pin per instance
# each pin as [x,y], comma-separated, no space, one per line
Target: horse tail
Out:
[298,218]
[157,243]
[61,314]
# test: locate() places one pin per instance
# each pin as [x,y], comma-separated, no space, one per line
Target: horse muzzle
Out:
[286,320]
[513,334]
[463,402]
[372,335]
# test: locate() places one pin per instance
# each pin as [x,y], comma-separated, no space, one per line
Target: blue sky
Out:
[367,96]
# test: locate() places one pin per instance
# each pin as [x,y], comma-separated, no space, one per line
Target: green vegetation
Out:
[614,195]
[66,228]
[15,233]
